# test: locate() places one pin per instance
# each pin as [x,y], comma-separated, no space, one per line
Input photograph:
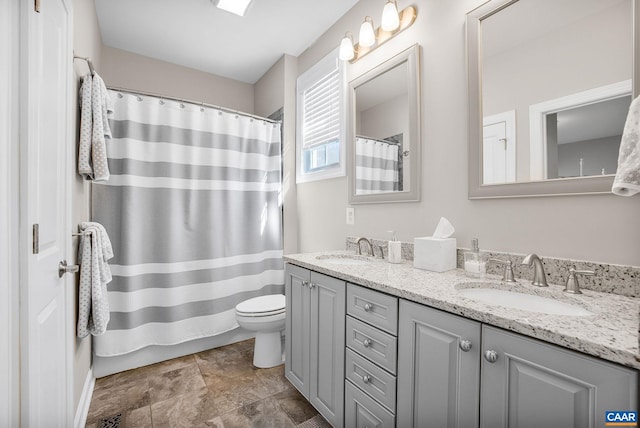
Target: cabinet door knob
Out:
[465,345]
[366,379]
[367,343]
[491,356]
[312,285]
[367,307]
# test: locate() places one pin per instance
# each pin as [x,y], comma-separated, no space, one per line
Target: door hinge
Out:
[36,5]
[36,238]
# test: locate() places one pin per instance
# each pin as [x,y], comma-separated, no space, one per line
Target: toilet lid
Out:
[262,304]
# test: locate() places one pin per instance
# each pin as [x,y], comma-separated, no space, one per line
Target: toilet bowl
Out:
[265,315]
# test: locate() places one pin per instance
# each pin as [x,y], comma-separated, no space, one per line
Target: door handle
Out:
[63,268]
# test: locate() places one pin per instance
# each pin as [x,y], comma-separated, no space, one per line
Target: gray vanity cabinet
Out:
[529,383]
[315,325]
[372,353]
[438,368]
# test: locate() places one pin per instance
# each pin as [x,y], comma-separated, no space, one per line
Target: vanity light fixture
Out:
[370,38]
[238,7]
[390,19]
[346,47]
[367,33]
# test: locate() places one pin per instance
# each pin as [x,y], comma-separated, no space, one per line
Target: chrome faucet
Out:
[367,241]
[539,277]
[507,276]
[572,282]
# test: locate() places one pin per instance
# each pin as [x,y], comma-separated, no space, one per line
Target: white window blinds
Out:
[320,121]
[321,111]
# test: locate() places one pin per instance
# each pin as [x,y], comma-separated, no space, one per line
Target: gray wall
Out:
[127,70]
[386,119]
[550,226]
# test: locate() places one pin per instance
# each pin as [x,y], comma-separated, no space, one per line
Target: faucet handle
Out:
[573,286]
[508,269]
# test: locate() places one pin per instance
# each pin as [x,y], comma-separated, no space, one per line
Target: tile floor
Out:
[215,388]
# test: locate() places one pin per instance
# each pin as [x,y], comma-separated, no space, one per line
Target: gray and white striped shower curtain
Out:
[193,211]
[377,166]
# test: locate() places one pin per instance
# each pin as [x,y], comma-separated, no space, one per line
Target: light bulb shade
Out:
[346,48]
[367,34]
[390,19]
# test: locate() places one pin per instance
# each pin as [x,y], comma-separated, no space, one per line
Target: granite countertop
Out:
[611,333]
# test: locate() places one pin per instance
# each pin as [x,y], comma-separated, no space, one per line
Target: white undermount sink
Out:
[344,259]
[524,302]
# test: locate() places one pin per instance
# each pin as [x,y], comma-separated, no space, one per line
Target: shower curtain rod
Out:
[182,100]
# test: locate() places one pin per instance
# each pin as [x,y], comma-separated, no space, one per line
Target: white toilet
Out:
[264,315]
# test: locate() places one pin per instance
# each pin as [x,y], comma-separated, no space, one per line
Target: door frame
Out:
[25,32]
[9,199]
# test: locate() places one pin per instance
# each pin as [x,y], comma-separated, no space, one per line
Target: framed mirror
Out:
[384,131]
[550,83]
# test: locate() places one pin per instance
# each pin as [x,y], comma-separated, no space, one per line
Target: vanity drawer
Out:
[362,411]
[375,345]
[376,308]
[371,379]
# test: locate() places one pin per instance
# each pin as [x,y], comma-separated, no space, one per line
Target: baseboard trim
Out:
[85,401]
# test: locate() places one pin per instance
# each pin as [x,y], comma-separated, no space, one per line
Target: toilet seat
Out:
[262,306]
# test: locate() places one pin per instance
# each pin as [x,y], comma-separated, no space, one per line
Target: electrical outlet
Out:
[351,215]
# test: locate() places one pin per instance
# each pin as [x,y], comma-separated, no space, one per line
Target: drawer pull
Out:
[368,307]
[367,343]
[465,345]
[366,379]
[491,356]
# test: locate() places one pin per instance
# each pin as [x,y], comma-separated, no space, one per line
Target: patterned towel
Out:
[627,180]
[93,303]
[94,127]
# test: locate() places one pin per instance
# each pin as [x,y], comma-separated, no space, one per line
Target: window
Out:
[320,119]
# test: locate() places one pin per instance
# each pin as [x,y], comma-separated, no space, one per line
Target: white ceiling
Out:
[195,34]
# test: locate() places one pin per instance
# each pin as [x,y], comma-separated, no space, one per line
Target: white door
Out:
[46,321]
[498,149]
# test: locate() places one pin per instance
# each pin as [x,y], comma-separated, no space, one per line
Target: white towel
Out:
[627,180]
[94,127]
[95,274]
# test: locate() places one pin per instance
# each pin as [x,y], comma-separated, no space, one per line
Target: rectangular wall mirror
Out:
[550,84]
[384,131]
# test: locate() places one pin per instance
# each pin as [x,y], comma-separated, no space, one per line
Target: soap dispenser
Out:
[474,261]
[394,249]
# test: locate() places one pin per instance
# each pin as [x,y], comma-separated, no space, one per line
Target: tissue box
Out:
[434,254]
